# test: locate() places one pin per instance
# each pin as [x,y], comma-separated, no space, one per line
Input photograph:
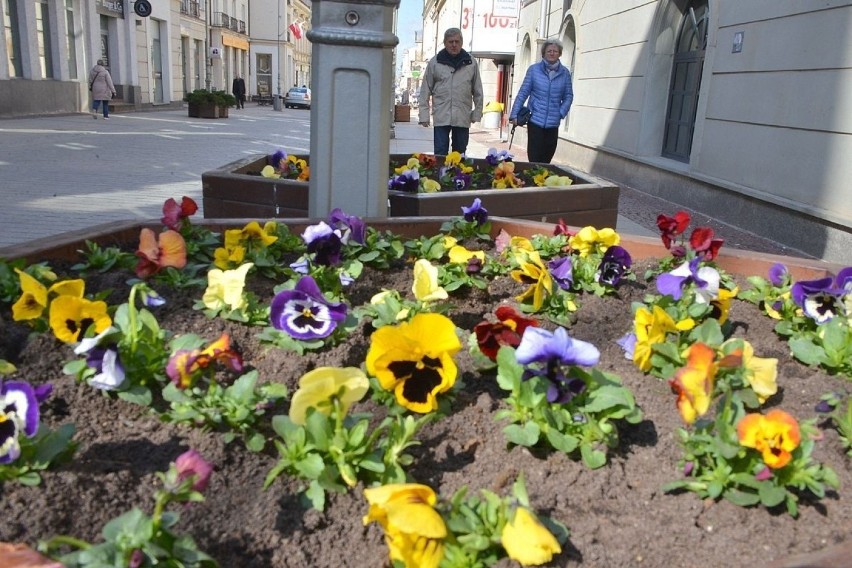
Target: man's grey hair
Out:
[553,42]
[452,32]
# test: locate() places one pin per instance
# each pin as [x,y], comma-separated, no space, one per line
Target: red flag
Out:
[296,29]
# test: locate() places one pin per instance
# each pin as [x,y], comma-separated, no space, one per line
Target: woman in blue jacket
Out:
[547,85]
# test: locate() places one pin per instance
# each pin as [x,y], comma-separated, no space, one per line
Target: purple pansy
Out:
[615,262]
[562,271]
[476,213]
[304,313]
[823,299]
[276,159]
[301,266]
[109,372]
[628,343]
[351,227]
[495,157]
[18,413]
[778,275]
[705,278]
[324,242]
[461,181]
[408,180]
[553,349]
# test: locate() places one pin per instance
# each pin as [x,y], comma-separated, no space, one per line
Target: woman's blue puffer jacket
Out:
[549,99]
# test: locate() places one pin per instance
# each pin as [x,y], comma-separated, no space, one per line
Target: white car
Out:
[298,97]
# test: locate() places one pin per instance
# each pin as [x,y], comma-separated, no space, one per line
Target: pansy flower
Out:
[562,271]
[413,163]
[532,271]
[253,236]
[35,296]
[425,286]
[693,383]
[225,288]
[494,157]
[651,327]
[508,330]
[702,242]
[760,373]
[614,264]
[173,213]
[460,255]
[102,356]
[304,313]
[528,541]
[185,365]
[430,186]
[779,275]
[19,414]
[158,252]
[324,243]
[71,316]
[318,389]
[671,227]
[561,228]
[191,465]
[705,278]
[407,180]
[350,227]
[774,435]
[476,213]
[415,360]
[225,258]
[461,181]
[823,299]
[589,240]
[722,304]
[414,530]
[552,350]
[504,176]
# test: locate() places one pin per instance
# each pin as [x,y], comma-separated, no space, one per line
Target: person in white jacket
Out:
[100,83]
[452,90]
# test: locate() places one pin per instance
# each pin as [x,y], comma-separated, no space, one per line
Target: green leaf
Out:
[770,495]
[256,442]
[592,458]
[316,495]
[137,394]
[243,388]
[562,442]
[741,498]
[310,466]
[50,444]
[318,425]
[509,372]
[608,397]
[526,435]
[806,351]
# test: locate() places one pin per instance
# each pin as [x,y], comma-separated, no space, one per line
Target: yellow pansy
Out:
[319,387]
[33,300]
[528,541]
[761,373]
[269,172]
[589,240]
[531,270]
[650,327]
[70,316]
[225,258]
[254,233]
[415,360]
[722,303]
[225,288]
[431,186]
[425,287]
[460,255]
[414,530]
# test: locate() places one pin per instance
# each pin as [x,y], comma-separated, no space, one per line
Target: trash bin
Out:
[276,102]
[491,115]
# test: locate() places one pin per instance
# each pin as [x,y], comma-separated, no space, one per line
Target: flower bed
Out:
[617,511]
[236,190]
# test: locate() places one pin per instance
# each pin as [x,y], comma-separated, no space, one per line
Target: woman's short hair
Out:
[100,61]
[548,43]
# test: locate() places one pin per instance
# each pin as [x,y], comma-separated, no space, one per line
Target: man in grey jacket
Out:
[453,85]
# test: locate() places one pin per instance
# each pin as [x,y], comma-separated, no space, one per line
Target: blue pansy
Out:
[304,313]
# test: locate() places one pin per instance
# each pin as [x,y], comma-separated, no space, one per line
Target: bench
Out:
[262,100]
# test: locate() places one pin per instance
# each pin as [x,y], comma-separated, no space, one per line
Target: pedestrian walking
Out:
[238,88]
[547,87]
[100,83]
[453,85]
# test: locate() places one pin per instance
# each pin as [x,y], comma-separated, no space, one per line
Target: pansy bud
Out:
[191,464]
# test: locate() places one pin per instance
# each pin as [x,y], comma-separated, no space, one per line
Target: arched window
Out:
[569,54]
[686,81]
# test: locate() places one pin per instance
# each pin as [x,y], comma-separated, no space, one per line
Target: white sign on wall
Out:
[490,26]
[215,52]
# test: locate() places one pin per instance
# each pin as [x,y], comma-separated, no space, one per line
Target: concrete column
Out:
[352,90]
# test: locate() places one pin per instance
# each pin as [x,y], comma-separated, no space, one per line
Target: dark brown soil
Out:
[618,515]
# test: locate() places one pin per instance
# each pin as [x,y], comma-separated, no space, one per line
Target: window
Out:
[13,38]
[686,82]
[70,35]
[45,58]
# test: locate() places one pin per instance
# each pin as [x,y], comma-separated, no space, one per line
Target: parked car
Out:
[298,97]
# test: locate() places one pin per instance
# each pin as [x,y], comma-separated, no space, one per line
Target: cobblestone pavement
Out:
[69,172]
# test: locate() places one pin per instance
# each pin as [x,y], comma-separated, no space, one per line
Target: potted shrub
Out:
[224,100]
[203,104]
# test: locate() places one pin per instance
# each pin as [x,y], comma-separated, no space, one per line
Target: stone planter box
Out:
[66,246]
[232,191]
[207,110]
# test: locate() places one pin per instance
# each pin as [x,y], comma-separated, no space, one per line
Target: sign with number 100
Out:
[490,26]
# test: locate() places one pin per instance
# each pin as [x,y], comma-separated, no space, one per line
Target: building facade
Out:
[48,47]
[741,110]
